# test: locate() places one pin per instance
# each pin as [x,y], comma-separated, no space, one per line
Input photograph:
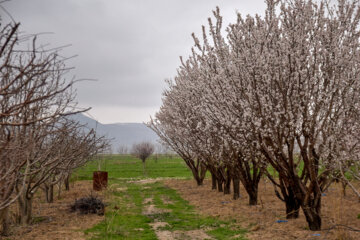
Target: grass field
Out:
[127,166]
[151,210]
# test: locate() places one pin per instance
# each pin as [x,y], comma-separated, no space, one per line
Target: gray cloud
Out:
[130,46]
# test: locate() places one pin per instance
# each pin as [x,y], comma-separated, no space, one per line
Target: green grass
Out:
[125,220]
[127,166]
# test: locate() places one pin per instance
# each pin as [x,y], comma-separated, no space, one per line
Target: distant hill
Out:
[125,134]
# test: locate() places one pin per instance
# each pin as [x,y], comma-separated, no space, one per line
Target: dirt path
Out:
[153,180]
[151,209]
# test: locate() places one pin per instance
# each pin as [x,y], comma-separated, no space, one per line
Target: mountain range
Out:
[120,134]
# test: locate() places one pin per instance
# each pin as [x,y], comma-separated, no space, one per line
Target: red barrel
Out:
[100,180]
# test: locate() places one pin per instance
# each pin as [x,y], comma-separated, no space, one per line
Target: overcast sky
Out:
[130,46]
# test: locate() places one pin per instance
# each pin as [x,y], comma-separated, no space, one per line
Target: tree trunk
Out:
[4,221]
[213,181]
[51,194]
[288,196]
[29,210]
[144,171]
[220,185]
[250,174]
[292,208]
[199,181]
[313,217]
[203,170]
[312,211]
[21,209]
[59,185]
[25,209]
[199,174]
[236,188]
[227,185]
[251,188]
[46,190]
[253,197]
[67,183]
[344,185]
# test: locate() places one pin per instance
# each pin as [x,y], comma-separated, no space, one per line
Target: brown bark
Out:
[25,209]
[252,191]
[311,206]
[344,185]
[199,181]
[67,183]
[250,178]
[220,185]
[213,181]
[4,221]
[46,191]
[51,194]
[292,208]
[312,215]
[203,170]
[236,188]
[292,204]
[199,173]
[227,183]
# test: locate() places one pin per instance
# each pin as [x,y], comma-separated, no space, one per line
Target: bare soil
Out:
[339,213]
[55,221]
[198,234]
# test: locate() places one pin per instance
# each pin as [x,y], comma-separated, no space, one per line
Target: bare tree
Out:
[143,150]
[122,149]
[34,97]
[78,147]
